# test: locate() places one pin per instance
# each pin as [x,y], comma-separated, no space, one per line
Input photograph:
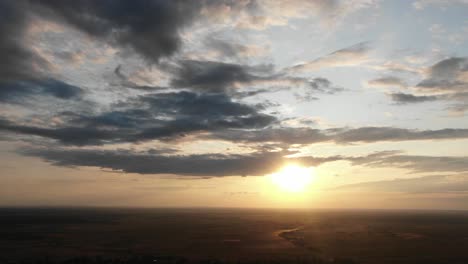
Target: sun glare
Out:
[293,178]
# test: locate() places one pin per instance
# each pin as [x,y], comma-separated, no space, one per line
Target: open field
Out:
[235,234]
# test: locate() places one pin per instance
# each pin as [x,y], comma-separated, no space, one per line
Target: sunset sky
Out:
[202,103]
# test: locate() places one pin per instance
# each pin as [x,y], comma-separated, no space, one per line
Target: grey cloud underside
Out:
[210,165]
[338,135]
[19,90]
[219,77]
[204,99]
[219,165]
[414,163]
[170,116]
[20,75]
[210,76]
[444,81]
[150,28]
[17,60]
[152,116]
[444,76]
[405,98]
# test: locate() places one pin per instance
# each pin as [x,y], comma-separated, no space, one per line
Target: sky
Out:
[201,103]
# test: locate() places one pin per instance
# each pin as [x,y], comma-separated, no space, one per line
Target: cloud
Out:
[375,134]
[323,85]
[446,76]
[171,116]
[388,81]
[150,28]
[405,98]
[427,184]
[421,4]
[209,165]
[446,80]
[304,135]
[218,165]
[414,163]
[211,76]
[262,14]
[22,71]
[153,29]
[349,56]
[125,82]
[17,91]
[150,116]
[66,135]
[229,49]
[229,78]
[18,61]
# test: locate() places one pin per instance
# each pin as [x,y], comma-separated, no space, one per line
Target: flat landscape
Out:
[235,234]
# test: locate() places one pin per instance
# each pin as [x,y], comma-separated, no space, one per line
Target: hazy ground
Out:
[230,234]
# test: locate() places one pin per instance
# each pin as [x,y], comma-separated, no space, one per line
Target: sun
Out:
[293,178]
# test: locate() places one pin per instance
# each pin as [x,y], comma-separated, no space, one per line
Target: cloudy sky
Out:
[198,103]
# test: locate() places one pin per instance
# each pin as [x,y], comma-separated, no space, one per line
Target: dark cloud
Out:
[152,116]
[219,77]
[217,165]
[210,165]
[211,76]
[18,62]
[444,75]
[67,135]
[405,98]
[174,115]
[22,70]
[338,135]
[150,28]
[18,90]
[323,85]
[448,68]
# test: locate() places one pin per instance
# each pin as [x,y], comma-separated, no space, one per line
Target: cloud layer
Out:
[67,84]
